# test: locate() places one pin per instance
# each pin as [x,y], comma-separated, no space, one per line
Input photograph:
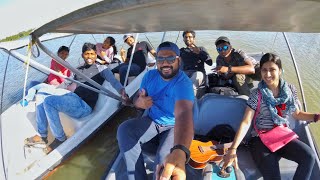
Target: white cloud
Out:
[21,15]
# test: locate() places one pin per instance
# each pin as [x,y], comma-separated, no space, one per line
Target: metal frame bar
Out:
[297,72]
[74,70]
[131,57]
[5,170]
[308,133]
[47,70]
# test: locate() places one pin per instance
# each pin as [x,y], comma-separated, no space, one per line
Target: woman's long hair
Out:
[113,44]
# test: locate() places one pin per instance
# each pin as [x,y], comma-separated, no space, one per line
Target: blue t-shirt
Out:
[165,94]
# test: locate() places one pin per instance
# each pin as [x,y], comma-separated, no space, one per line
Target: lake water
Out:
[305,47]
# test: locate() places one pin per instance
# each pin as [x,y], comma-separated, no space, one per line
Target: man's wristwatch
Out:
[184,149]
[229,69]
[316,118]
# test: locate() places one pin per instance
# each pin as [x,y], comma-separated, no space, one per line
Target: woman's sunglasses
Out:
[223,48]
[170,59]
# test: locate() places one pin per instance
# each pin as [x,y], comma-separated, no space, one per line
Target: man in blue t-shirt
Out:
[168,94]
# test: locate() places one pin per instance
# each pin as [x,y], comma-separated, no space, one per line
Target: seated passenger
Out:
[63,53]
[278,100]
[139,60]
[167,93]
[106,51]
[77,104]
[193,59]
[234,65]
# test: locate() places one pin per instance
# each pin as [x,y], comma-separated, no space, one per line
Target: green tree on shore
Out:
[17,36]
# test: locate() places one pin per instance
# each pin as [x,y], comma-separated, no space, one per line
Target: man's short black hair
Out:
[189,31]
[88,46]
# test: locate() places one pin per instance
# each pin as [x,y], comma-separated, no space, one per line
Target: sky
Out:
[22,15]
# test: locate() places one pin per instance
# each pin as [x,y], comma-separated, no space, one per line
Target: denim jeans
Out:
[132,134]
[62,101]
[135,70]
[268,162]
[43,91]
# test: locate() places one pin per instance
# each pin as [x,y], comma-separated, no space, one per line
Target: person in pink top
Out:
[63,53]
[106,50]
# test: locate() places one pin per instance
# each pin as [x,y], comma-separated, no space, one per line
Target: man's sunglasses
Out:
[170,59]
[223,48]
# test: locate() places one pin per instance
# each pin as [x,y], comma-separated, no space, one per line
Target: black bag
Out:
[228,91]
[222,133]
[213,79]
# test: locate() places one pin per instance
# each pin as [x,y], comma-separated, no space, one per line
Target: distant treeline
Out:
[17,36]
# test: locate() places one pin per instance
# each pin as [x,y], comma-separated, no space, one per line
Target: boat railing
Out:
[1,137]
[74,70]
[47,70]
[131,57]
[304,104]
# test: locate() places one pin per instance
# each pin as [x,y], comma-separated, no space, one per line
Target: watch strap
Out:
[184,149]
[316,118]
[229,69]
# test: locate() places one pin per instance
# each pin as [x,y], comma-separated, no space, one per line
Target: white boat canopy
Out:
[122,16]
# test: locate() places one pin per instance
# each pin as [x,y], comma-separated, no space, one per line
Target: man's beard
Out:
[168,76]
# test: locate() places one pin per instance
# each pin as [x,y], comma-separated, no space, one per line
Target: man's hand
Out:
[122,52]
[230,158]
[174,166]
[125,97]
[143,101]
[222,69]
[72,87]
[195,49]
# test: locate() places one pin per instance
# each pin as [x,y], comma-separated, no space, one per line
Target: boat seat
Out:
[211,111]
[72,125]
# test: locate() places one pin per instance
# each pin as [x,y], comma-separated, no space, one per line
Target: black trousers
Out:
[268,162]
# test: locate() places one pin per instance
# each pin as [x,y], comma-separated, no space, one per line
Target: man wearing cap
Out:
[167,93]
[234,65]
[193,59]
[139,59]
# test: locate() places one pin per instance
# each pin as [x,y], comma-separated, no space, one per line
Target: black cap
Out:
[222,38]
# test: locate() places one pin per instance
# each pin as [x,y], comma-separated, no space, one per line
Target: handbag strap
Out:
[257,112]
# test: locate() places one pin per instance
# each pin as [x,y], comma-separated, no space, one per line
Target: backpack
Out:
[228,91]
[222,133]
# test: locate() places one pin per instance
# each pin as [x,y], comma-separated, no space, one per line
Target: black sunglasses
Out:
[170,59]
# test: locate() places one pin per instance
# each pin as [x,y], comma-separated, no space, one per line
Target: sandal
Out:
[52,146]
[34,140]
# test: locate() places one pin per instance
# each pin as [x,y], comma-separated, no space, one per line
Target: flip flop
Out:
[34,140]
[52,146]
